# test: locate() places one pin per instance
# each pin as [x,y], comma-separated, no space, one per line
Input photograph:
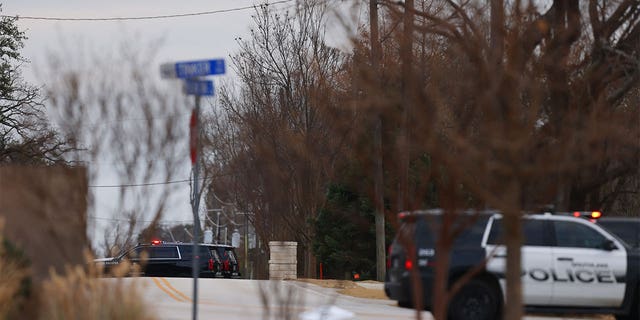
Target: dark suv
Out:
[171,259]
[569,265]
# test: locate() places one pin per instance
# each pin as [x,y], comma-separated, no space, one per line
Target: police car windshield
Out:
[627,232]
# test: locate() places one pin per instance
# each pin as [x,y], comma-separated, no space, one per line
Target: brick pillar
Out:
[283,262]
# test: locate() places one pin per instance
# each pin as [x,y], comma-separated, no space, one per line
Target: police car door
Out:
[536,258]
[587,271]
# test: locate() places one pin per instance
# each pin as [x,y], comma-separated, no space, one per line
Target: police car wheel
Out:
[634,312]
[477,300]
[405,304]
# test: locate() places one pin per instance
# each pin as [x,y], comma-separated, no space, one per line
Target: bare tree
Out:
[26,136]
[282,148]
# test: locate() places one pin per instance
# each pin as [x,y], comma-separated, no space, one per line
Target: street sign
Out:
[198,87]
[192,69]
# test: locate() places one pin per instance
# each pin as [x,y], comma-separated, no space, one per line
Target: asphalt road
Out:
[230,299]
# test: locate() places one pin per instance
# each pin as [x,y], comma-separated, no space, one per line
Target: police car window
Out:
[533,232]
[576,235]
[628,231]
[163,252]
[495,236]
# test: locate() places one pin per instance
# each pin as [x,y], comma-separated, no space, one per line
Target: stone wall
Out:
[283,260]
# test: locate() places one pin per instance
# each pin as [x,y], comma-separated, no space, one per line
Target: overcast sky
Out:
[186,38]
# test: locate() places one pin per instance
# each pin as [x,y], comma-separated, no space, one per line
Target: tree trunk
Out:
[513,238]
[408,85]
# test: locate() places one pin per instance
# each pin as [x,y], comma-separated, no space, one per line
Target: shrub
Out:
[80,294]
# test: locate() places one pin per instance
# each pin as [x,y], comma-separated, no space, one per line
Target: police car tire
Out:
[405,304]
[477,300]
[634,312]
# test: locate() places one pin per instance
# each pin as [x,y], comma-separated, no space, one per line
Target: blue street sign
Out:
[198,87]
[192,69]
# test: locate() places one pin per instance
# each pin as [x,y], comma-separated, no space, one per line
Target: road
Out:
[231,299]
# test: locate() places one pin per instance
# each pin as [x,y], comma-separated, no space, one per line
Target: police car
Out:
[570,265]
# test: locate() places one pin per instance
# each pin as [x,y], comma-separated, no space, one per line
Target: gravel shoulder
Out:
[361,289]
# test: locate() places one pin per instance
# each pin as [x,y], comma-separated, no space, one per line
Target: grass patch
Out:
[79,293]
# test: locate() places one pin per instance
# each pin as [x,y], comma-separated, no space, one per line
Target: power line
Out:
[168,16]
[153,183]
[140,184]
[161,222]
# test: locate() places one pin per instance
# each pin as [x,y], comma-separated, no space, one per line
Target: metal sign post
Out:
[195,205]
[190,71]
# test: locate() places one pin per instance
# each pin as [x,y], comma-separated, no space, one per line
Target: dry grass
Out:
[80,294]
[349,288]
[12,275]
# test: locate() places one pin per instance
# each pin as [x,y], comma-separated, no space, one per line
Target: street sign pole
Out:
[195,135]
[190,72]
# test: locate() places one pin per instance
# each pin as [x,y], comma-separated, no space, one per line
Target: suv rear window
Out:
[163,253]
[428,228]
[187,251]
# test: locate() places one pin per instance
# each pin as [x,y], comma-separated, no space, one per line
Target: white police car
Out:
[570,265]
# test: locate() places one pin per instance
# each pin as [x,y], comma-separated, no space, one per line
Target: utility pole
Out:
[376,51]
[497,30]
[246,245]
[408,95]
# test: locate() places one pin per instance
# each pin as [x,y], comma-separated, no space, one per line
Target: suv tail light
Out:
[408,264]
[210,264]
